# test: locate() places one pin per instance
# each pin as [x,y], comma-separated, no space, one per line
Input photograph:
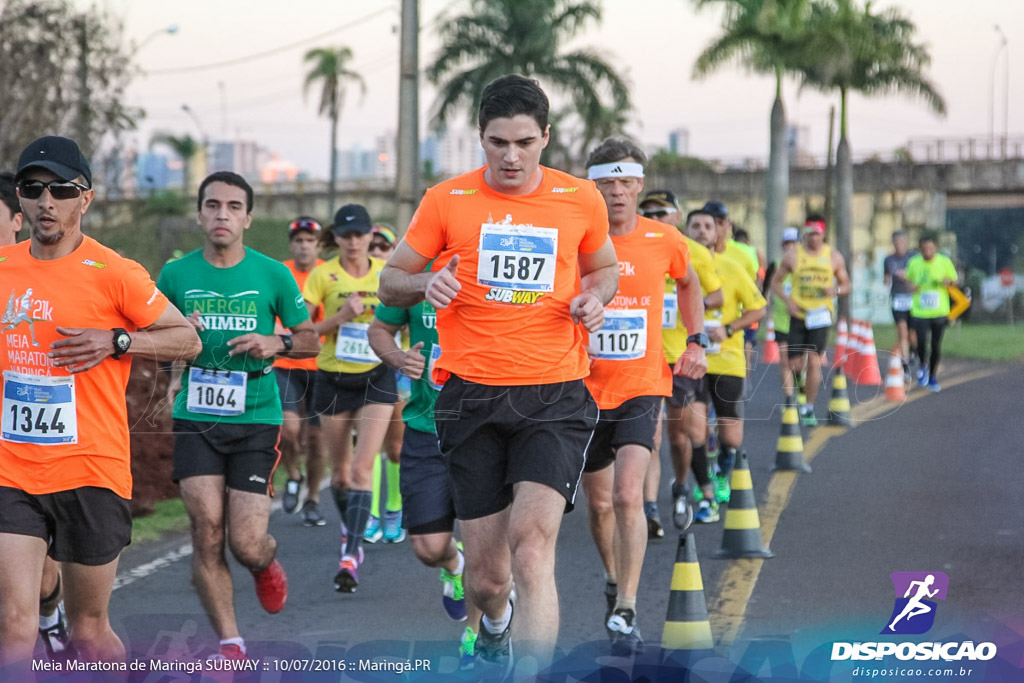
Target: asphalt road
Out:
[932,485]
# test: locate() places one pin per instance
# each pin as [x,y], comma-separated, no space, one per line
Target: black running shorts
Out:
[803,340]
[87,525]
[343,392]
[494,437]
[725,392]
[244,454]
[684,389]
[427,506]
[297,386]
[634,422]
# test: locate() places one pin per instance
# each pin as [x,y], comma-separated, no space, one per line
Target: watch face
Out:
[123,341]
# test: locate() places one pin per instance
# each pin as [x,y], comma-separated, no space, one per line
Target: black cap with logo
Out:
[57,155]
[351,218]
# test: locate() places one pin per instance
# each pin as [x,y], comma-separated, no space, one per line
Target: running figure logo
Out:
[12,318]
[914,608]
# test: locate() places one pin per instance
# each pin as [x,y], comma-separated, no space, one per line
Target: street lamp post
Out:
[169,30]
[204,138]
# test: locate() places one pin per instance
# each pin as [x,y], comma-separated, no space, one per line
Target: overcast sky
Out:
[654,43]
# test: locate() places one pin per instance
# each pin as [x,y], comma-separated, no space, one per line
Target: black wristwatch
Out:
[700,340]
[728,330]
[287,340]
[122,342]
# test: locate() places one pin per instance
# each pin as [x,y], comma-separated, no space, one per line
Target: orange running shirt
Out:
[304,363]
[510,323]
[627,352]
[92,287]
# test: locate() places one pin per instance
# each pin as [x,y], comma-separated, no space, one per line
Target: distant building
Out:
[460,151]
[153,173]
[679,142]
[798,142]
[243,157]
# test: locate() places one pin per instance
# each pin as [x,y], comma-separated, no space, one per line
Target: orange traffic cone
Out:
[895,391]
[841,341]
[771,347]
[868,373]
[853,346]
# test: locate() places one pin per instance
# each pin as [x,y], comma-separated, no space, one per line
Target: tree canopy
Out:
[63,71]
[527,37]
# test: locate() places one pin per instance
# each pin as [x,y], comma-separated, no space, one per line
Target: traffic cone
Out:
[841,341]
[868,373]
[789,455]
[742,537]
[895,390]
[686,624]
[771,347]
[853,344]
[839,404]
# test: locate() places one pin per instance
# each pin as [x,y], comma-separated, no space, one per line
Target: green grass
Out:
[993,342]
[168,516]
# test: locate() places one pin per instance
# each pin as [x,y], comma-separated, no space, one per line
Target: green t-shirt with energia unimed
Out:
[245,298]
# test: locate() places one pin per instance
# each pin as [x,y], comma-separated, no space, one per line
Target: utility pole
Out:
[408,175]
[83,121]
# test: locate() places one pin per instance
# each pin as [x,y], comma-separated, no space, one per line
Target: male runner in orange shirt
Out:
[76,310]
[629,376]
[528,258]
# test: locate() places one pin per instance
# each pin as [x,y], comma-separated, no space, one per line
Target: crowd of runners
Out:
[530,333]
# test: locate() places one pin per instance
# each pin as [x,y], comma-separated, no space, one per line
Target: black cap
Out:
[352,218]
[716,209]
[664,198]
[58,155]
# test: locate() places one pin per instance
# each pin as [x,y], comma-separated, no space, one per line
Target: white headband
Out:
[616,169]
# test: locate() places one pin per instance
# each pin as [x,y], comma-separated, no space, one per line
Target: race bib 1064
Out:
[518,257]
[622,337]
[216,392]
[39,410]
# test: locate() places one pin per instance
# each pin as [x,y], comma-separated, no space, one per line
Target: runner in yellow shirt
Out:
[819,275]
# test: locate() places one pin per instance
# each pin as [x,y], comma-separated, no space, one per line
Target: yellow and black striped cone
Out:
[839,404]
[686,624]
[790,452]
[742,537]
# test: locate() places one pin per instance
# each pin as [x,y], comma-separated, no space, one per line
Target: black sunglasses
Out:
[33,189]
[657,213]
[380,244]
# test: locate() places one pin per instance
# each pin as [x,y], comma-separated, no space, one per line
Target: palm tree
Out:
[766,37]
[526,36]
[855,49]
[330,69]
[185,147]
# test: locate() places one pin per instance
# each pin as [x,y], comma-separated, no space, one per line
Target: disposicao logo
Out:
[913,613]
[914,609]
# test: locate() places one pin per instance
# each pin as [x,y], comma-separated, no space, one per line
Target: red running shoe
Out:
[272,587]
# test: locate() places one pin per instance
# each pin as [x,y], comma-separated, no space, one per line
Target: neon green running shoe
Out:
[722,488]
[453,595]
[467,650]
